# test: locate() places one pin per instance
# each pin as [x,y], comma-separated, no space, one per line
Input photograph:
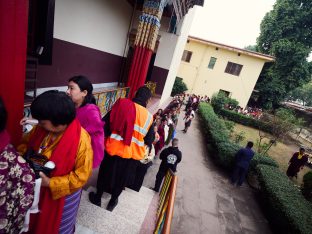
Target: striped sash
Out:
[70,213]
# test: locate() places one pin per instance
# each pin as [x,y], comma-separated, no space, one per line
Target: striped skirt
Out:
[70,213]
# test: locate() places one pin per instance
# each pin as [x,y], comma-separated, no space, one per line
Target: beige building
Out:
[209,67]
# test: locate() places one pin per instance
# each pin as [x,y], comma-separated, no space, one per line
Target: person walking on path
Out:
[296,163]
[189,116]
[128,130]
[170,157]
[242,160]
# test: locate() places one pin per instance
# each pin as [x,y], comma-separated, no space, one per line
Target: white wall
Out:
[97,24]
[166,49]
[176,57]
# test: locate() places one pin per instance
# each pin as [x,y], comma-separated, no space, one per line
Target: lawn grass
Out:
[281,152]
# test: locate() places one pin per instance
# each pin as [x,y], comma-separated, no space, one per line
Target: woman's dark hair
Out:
[84,84]
[142,95]
[3,115]
[54,106]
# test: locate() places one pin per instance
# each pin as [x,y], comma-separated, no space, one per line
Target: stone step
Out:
[127,217]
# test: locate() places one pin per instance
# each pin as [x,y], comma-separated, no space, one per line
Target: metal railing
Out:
[166,204]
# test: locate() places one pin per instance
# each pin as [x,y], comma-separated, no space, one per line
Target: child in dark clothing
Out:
[170,157]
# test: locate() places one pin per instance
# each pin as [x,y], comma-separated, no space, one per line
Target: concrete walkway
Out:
[206,202]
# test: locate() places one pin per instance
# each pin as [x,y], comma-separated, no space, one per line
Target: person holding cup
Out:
[59,137]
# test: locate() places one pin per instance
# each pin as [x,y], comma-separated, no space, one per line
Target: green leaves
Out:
[218,137]
[218,101]
[286,33]
[287,209]
[303,94]
[178,87]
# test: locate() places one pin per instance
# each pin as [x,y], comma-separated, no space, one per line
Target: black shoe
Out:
[94,200]
[112,204]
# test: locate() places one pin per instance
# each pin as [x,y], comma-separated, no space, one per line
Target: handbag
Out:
[38,162]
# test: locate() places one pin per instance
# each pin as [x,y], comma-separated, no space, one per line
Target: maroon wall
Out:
[159,75]
[69,59]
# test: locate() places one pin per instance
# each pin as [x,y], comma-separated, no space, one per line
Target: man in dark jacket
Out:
[242,160]
[170,157]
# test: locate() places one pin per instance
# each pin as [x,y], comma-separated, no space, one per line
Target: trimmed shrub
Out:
[218,101]
[307,186]
[178,87]
[218,136]
[264,160]
[245,120]
[286,208]
[229,125]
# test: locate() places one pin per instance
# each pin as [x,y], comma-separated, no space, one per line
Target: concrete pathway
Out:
[206,202]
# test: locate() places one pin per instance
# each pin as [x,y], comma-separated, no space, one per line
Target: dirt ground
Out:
[281,152]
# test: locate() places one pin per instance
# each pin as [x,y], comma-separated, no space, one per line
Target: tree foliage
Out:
[251,48]
[282,123]
[286,33]
[178,87]
[220,100]
[302,94]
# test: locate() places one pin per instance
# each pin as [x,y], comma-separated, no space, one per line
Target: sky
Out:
[231,22]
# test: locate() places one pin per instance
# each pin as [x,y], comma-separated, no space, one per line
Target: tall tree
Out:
[286,33]
[303,94]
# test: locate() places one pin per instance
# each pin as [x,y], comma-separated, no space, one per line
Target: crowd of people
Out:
[42,178]
[253,112]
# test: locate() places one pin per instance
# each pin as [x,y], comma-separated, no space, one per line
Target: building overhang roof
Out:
[179,7]
[267,58]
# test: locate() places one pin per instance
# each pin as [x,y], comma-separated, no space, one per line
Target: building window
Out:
[187,55]
[224,92]
[212,62]
[233,68]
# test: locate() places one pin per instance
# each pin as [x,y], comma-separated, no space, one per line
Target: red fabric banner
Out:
[13,44]
[139,68]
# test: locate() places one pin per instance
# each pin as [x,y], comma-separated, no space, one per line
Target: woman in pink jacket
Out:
[89,115]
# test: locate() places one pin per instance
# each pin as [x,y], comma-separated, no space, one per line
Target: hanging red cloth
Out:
[139,68]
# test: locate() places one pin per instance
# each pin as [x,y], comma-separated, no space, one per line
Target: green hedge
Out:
[286,208]
[218,136]
[245,120]
[307,186]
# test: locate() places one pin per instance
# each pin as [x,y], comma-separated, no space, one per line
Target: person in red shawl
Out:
[59,137]
[128,130]
[297,162]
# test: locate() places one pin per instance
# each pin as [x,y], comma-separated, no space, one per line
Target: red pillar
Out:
[13,45]
[144,45]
